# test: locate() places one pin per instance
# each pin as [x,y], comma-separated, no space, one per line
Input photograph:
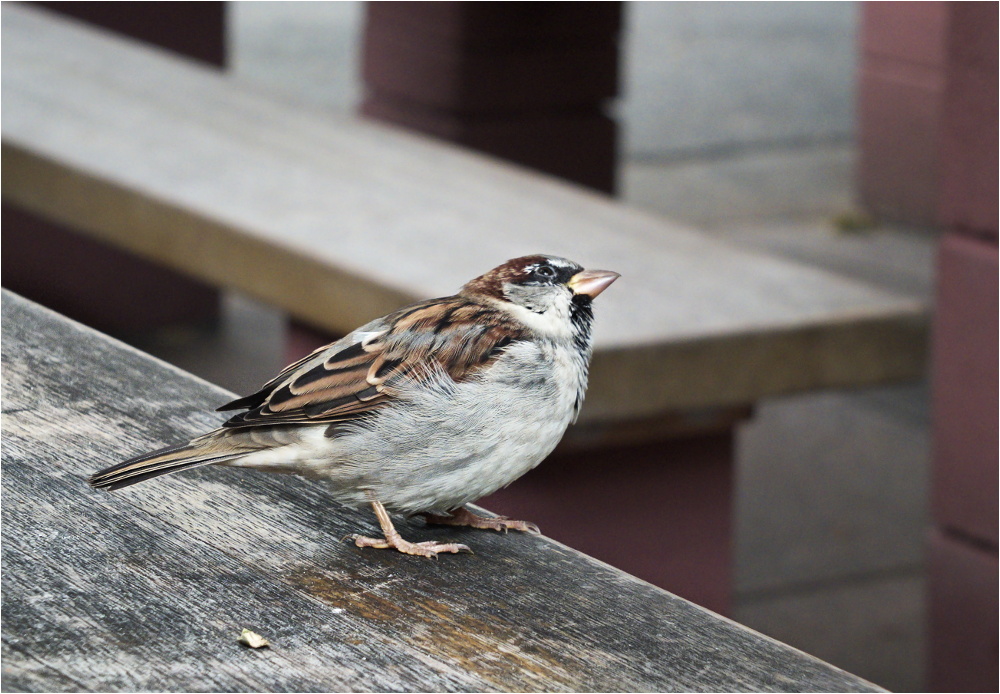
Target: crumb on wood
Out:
[253,639]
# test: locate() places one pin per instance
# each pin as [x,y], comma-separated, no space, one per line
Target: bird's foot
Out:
[393,540]
[421,549]
[464,516]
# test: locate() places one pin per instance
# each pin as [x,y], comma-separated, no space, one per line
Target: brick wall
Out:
[963,545]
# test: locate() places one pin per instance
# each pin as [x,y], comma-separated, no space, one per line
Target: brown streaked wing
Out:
[453,335]
[257,398]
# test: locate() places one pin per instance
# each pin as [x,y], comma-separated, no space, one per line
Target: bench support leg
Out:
[527,82]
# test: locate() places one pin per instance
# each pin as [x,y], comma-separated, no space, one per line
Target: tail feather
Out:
[162,462]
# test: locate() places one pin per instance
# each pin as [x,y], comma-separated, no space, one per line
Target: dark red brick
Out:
[973,34]
[898,125]
[963,616]
[964,375]
[900,93]
[905,31]
[969,133]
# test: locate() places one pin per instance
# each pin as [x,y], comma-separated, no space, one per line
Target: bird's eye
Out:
[545,272]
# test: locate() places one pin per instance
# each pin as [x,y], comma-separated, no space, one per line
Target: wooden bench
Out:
[337,221]
[149,588]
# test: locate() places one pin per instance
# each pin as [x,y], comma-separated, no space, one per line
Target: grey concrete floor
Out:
[738,120]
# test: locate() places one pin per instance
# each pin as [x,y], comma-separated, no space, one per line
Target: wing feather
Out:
[455,336]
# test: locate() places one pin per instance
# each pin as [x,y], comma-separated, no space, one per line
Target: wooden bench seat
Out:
[148,589]
[338,221]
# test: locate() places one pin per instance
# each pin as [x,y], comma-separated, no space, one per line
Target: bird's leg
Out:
[393,540]
[463,516]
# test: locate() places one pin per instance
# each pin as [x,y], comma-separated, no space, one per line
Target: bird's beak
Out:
[592,282]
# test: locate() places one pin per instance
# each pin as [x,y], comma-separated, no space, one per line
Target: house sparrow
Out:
[421,411]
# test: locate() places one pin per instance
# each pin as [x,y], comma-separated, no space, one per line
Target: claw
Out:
[464,516]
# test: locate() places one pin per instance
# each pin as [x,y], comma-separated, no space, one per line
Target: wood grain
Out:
[149,588]
[339,221]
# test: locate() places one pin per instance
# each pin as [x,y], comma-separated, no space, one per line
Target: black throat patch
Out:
[581,315]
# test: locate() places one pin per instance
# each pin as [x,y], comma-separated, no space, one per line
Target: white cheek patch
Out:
[554,322]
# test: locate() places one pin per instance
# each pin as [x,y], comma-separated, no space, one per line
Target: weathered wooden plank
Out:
[128,616]
[148,588]
[19,672]
[339,221]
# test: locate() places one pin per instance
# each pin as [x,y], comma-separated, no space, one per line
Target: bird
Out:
[422,411]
